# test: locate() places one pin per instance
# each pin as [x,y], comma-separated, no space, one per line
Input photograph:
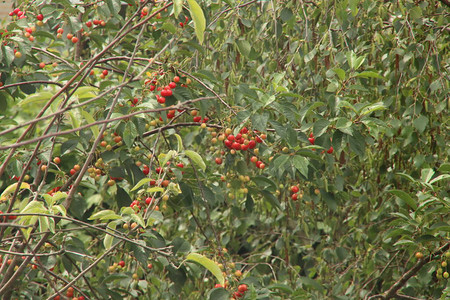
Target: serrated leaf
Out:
[196,159]
[405,197]
[105,215]
[199,19]
[208,264]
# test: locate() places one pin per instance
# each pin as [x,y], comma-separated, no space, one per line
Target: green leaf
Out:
[371,108]
[177,7]
[196,159]
[426,175]
[88,117]
[405,197]
[301,164]
[107,242]
[369,74]
[11,188]
[340,73]
[208,264]
[129,134]
[421,123]
[320,127]
[180,142]
[198,18]
[138,219]
[105,215]
[36,99]
[244,47]
[309,282]
[140,183]
[164,158]
[219,294]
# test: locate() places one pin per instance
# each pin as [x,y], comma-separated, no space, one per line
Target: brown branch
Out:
[17,145]
[392,291]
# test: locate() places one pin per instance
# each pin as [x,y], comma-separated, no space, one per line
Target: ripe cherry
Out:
[312,140]
[89,24]
[176,79]
[218,285]
[329,151]
[40,17]
[242,288]
[121,263]
[294,189]
[218,160]
[74,40]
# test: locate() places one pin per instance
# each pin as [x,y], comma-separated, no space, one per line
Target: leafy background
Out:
[367,78]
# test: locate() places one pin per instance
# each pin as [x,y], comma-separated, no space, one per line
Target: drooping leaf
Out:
[105,215]
[405,197]
[196,159]
[208,264]
[199,19]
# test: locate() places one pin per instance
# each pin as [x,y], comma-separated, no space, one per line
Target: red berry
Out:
[218,160]
[172,85]
[294,197]
[312,140]
[105,72]
[121,263]
[176,79]
[180,165]
[242,288]
[74,39]
[89,24]
[40,17]
[294,189]
[236,146]
[159,170]
[197,119]
[329,151]
[311,135]
[218,285]
[72,171]
[254,159]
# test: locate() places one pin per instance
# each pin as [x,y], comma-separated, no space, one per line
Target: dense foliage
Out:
[208,149]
